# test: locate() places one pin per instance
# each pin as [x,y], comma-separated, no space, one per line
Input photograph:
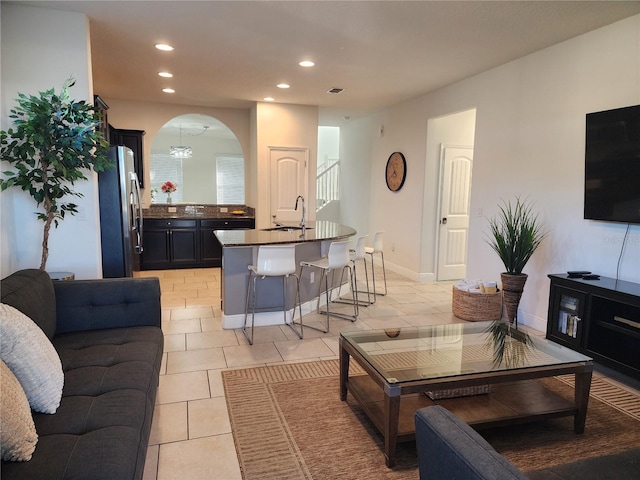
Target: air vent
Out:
[335,90]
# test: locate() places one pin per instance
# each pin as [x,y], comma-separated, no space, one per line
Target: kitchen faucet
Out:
[304,211]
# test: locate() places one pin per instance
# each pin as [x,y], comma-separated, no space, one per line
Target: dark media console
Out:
[597,317]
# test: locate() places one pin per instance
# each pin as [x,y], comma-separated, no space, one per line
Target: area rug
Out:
[288,423]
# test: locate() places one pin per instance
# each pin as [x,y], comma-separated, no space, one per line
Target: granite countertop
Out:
[315,232]
[194,212]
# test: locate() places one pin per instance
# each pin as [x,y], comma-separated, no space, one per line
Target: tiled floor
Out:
[191,435]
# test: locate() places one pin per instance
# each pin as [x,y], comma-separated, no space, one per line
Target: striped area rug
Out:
[288,423]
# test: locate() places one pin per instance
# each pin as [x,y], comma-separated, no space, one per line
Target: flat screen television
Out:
[612,165]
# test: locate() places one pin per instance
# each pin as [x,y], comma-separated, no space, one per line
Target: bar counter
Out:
[240,249]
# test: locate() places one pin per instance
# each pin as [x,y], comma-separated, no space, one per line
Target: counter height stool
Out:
[359,253]
[377,249]
[273,261]
[337,259]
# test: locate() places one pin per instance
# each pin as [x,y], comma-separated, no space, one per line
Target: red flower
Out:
[168,187]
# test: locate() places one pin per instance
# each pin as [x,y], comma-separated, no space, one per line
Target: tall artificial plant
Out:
[516,233]
[53,142]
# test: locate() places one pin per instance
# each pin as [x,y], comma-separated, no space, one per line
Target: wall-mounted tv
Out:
[612,165]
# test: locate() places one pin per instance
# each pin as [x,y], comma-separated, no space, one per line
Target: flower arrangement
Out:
[169,187]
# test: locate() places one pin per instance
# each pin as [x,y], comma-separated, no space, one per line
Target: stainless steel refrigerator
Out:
[120,215]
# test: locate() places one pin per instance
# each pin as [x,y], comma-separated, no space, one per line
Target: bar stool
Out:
[377,248]
[359,253]
[273,261]
[337,259]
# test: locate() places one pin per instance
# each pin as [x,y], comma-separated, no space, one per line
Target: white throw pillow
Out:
[18,436]
[31,357]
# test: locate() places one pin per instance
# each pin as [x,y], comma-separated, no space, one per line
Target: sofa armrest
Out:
[449,448]
[107,303]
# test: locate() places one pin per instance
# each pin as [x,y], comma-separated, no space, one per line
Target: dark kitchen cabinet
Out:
[134,139]
[170,243]
[101,109]
[186,243]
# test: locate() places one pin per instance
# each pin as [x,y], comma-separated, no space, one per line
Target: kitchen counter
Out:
[239,250]
[196,212]
[314,232]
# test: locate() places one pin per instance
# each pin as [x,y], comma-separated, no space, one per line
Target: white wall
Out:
[529,141]
[282,125]
[150,117]
[41,48]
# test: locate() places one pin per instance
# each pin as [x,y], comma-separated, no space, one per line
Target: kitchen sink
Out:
[283,228]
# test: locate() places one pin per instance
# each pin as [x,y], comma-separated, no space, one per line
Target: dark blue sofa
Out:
[108,336]
[449,449]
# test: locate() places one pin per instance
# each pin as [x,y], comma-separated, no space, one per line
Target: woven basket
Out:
[477,307]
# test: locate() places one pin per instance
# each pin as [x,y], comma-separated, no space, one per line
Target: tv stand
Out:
[599,318]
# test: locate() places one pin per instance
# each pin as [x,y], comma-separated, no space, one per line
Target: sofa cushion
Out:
[449,448]
[32,292]
[18,436]
[31,357]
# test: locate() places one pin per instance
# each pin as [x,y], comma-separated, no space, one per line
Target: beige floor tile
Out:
[189,286]
[181,273]
[200,301]
[256,354]
[182,387]
[302,349]
[386,322]
[415,309]
[172,302]
[208,417]
[215,383]
[151,463]
[267,334]
[169,423]
[199,459]
[195,360]
[192,312]
[220,338]
[211,324]
[181,326]
[171,281]
[180,294]
[174,343]
[202,278]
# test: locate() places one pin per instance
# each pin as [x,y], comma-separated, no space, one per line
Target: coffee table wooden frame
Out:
[514,398]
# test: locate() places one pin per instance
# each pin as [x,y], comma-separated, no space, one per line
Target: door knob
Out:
[444,221]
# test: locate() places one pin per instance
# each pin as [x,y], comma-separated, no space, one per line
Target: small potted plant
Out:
[54,141]
[516,233]
[169,188]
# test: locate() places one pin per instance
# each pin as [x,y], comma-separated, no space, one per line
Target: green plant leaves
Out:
[515,235]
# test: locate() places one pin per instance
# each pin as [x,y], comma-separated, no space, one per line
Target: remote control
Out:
[591,276]
[577,273]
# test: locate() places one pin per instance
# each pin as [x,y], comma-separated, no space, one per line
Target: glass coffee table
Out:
[483,372]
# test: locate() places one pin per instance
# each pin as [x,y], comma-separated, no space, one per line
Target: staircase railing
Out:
[328,184]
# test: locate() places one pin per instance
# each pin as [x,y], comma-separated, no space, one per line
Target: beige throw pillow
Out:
[31,357]
[18,436]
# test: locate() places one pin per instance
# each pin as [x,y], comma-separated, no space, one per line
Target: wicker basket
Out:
[477,307]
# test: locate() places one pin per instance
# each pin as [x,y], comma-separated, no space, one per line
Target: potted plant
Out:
[516,233]
[54,140]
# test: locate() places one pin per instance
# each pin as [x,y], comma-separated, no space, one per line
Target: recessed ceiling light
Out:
[269,99]
[283,85]
[164,47]
[306,63]
[168,90]
[165,74]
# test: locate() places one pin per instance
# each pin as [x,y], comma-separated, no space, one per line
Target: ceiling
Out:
[233,53]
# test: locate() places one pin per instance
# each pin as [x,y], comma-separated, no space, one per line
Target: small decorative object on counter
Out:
[168,188]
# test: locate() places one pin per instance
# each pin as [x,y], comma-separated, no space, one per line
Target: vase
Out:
[169,198]
[512,288]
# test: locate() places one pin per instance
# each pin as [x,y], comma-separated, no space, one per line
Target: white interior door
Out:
[288,180]
[455,191]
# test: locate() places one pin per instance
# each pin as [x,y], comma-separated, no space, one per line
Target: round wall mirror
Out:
[202,157]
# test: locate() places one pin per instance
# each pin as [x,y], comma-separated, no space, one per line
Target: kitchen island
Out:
[240,249]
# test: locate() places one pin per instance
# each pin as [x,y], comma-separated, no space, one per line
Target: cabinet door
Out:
[156,249]
[184,246]
[134,140]
[210,248]
[566,322]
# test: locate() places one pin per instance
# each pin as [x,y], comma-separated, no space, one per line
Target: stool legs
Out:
[373,275]
[251,293]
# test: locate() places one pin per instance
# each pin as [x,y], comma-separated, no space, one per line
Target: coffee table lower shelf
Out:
[506,404]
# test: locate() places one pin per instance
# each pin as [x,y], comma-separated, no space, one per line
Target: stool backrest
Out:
[338,255]
[377,241]
[359,250]
[276,260]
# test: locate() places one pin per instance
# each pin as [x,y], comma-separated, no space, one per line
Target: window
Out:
[230,178]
